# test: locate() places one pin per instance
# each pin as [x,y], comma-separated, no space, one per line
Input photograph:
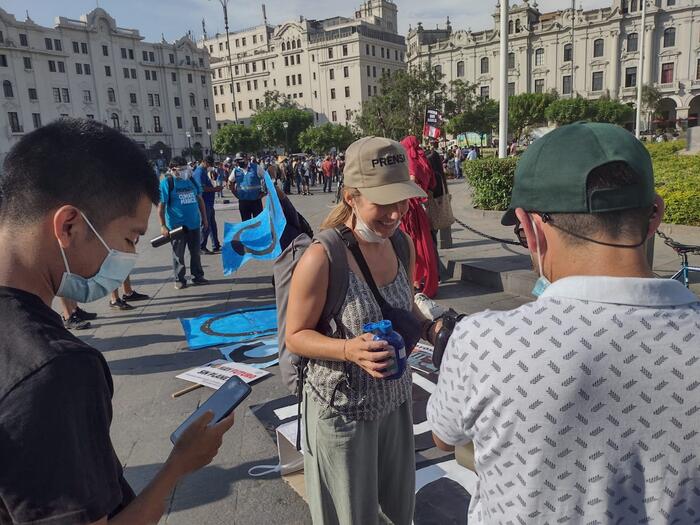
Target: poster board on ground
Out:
[217,372]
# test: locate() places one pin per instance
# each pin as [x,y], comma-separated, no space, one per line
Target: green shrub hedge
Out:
[491,181]
[677,181]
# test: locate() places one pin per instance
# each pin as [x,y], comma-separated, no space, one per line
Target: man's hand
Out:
[164,231]
[198,444]
[205,224]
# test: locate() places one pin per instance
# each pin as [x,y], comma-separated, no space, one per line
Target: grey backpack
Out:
[292,366]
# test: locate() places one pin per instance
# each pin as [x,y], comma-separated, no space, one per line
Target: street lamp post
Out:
[211,148]
[503,95]
[640,72]
[224,5]
[285,125]
[189,143]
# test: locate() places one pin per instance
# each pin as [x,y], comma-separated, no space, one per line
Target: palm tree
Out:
[651,102]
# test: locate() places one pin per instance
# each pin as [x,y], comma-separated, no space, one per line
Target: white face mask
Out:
[367,233]
[542,283]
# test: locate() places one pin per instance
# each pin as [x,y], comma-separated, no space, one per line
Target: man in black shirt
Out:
[80,225]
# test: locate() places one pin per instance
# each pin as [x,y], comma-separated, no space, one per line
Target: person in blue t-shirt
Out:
[246,184]
[209,191]
[181,204]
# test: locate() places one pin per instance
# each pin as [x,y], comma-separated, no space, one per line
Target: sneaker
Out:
[179,285]
[135,296]
[205,251]
[83,315]
[75,323]
[199,280]
[120,304]
[429,308]
[217,249]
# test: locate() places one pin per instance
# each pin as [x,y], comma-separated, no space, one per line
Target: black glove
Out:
[449,320]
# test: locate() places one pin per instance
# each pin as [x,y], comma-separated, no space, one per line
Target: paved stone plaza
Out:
[146,349]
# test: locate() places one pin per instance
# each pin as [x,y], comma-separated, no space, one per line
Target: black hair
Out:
[79,162]
[629,225]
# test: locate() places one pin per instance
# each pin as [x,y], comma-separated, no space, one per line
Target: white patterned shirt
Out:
[582,405]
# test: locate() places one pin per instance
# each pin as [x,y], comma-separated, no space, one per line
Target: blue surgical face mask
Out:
[542,283]
[114,269]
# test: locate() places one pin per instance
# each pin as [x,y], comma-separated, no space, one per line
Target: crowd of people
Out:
[580,404]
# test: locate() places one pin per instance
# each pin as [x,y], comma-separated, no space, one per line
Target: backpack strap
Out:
[399,240]
[334,246]
[171,186]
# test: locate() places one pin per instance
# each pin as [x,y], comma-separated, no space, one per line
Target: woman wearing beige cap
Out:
[359,447]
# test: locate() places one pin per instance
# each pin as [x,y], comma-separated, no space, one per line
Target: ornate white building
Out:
[155,92]
[589,53]
[327,66]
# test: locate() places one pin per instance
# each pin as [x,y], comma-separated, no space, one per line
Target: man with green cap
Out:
[580,404]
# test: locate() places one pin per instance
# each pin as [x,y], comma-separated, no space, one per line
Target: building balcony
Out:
[671,87]
[695,84]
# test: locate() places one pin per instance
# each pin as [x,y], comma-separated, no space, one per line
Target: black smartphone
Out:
[221,403]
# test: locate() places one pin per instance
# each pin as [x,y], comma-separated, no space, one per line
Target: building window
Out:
[115,121]
[14,122]
[48,43]
[156,124]
[667,73]
[632,42]
[566,85]
[57,44]
[83,48]
[568,53]
[32,94]
[484,92]
[78,69]
[23,40]
[332,93]
[150,99]
[216,108]
[345,50]
[511,89]
[670,3]
[145,56]
[438,71]
[460,68]
[511,60]
[539,85]
[132,98]
[86,68]
[154,75]
[330,52]
[27,63]
[189,78]
[348,114]
[178,121]
[670,37]
[193,101]
[7,89]
[374,71]
[598,47]
[206,102]
[171,58]
[173,76]
[347,91]
[133,73]
[52,64]
[334,116]
[369,90]
[177,102]
[484,65]
[108,71]
[137,123]
[207,122]
[123,50]
[374,51]
[346,72]
[188,60]
[539,57]
[76,47]
[203,79]
[299,79]
[631,77]
[87,96]
[597,81]
[697,70]
[331,74]
[36,120]
[56,95]
[61,66]
[105,51]
[255,84]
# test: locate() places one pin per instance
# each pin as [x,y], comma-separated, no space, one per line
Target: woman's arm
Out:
[307,297]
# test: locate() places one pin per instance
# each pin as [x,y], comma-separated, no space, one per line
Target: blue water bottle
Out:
[384,331]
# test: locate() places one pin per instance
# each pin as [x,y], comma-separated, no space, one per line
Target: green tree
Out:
[528,109]
[233,138]
[480,118]
[321,139]
[611,111]
[400,107]
[651,102]
[269,121]
[568,110]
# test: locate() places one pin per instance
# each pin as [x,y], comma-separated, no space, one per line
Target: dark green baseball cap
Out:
[552,173]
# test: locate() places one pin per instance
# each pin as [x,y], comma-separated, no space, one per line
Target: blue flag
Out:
[257,238]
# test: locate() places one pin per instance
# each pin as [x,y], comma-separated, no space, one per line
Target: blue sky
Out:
[173,18]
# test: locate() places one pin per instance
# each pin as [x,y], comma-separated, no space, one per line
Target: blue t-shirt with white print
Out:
[181,205]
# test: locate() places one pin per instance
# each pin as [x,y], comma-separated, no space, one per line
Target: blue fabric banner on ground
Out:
[257,238]
[236,326]
[258,354]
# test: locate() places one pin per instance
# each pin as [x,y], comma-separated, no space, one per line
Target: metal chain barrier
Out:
[485,236]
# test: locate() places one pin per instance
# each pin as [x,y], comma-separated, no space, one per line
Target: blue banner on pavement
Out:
[236,326]
[257,238]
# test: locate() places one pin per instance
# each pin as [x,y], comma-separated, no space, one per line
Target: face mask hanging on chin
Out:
[114,269]
[367,233]
[542,283]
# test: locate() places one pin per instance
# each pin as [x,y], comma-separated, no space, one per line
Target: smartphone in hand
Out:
[221,403]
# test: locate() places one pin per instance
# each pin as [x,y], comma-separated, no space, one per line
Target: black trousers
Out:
[190,241]
[249,209]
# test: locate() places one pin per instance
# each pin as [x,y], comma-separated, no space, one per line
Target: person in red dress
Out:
[416,222]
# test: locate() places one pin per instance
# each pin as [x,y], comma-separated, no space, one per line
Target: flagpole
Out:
[503,106]
[640,71]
